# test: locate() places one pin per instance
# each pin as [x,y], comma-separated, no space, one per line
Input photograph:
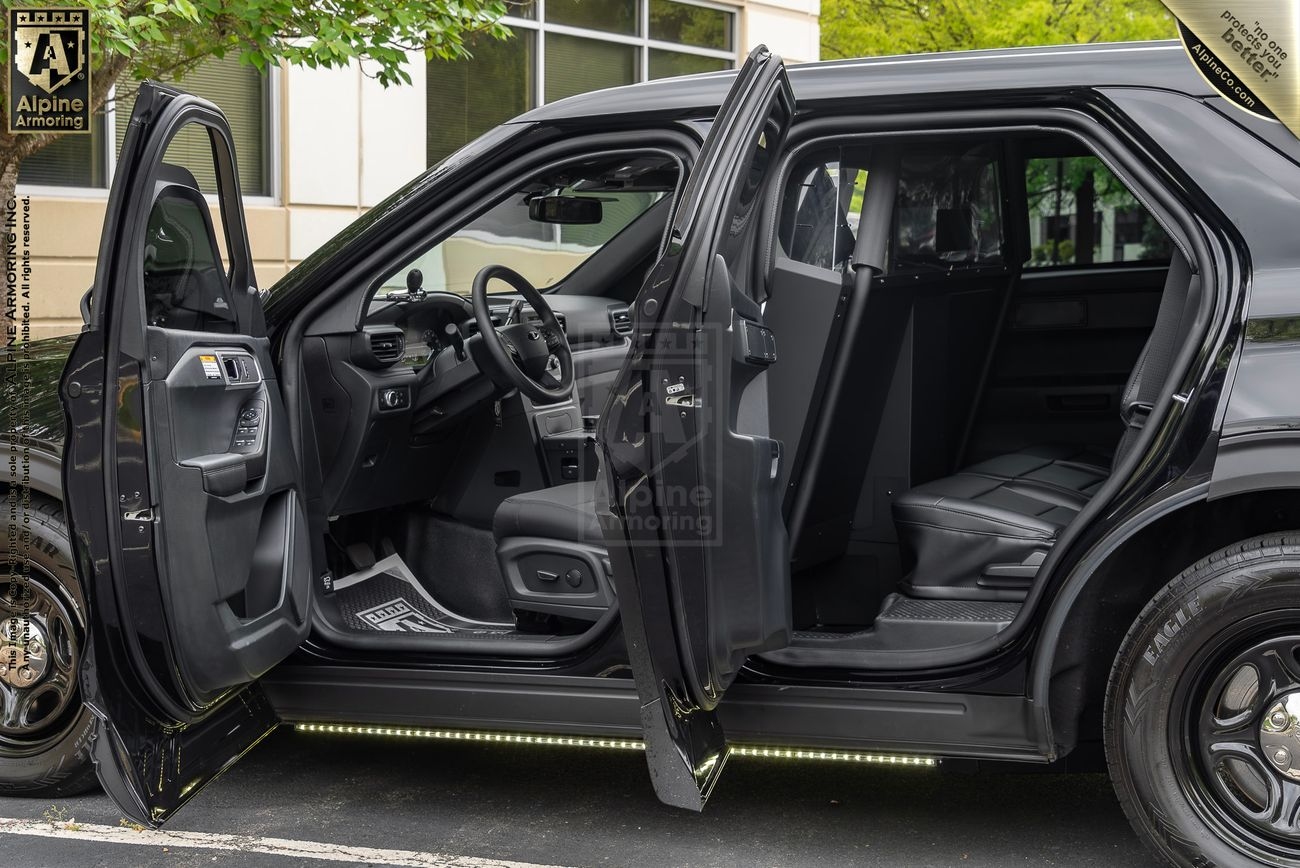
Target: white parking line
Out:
[250,844]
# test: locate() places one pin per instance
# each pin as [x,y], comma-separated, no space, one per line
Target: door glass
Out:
[186,280]
[1081,214]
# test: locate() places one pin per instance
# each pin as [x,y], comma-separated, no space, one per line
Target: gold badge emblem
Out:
[49,77]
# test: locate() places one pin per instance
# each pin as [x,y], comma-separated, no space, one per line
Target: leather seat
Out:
[563,512]
[1003,511]
[983,531]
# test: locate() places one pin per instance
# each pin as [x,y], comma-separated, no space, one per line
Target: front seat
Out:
[552,553]
[983,532]
[564,512]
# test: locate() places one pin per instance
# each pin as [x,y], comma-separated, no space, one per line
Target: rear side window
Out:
[1080,214]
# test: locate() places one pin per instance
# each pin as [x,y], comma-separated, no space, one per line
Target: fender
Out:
[1257,460]
[1062,607]
[45,467]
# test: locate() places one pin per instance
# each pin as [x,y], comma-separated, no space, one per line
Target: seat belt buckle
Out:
[1135,413]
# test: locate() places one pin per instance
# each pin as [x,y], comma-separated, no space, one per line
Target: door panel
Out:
[692,475]
[181,481]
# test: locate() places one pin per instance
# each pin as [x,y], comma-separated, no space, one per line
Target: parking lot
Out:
[305,799]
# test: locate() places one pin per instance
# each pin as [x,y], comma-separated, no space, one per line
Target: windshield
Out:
[603,196]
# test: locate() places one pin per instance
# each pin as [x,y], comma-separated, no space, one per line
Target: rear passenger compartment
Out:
[1005,350]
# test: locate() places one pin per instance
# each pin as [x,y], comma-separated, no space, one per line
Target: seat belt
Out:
[1158,355]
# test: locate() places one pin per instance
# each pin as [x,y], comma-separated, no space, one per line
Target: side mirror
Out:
[568,210]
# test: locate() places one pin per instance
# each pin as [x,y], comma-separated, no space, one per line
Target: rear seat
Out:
[1006,511]
[983,532]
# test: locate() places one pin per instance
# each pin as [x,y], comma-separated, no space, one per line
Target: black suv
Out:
[903,410]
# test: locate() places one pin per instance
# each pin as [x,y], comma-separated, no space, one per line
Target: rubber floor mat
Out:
[388,598]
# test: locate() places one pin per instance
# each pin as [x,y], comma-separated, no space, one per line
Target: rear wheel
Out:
[45,730]
[1203,711]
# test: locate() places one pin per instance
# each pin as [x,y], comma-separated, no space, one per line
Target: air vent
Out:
[620,320]
[378,347]
[387,348]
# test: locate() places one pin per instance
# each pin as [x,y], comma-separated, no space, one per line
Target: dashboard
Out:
[398,399]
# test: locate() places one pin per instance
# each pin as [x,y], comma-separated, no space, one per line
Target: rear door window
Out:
[1080,214]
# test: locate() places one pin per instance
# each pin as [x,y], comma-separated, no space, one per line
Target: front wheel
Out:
[1203,711]
[45,730]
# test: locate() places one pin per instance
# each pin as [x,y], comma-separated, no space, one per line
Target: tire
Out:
[1193,698]
[54,760]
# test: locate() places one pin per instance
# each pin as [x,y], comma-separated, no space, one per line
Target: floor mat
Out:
[388,598]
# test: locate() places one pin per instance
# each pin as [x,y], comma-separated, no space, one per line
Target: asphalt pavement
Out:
[307,799]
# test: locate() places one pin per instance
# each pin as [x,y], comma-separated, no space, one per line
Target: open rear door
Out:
[693,512]
[181,483]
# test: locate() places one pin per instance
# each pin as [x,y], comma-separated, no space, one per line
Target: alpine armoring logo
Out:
[49,73]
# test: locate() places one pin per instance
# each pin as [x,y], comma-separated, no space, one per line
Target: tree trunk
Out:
[8,178]
[1085,230]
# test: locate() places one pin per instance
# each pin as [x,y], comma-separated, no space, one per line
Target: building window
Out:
[566,47]
[243,95]
[240,91]
[476,94]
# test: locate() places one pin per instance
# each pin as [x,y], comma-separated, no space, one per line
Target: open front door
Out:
[181,483]
[693,516]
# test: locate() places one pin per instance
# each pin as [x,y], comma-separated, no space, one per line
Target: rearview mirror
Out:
[569,210]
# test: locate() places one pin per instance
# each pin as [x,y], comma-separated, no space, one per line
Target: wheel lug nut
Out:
[1282,757]
[1278,719]
[26,673]
[33,647]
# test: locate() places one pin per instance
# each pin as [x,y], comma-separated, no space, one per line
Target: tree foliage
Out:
[857,28]
[164,39]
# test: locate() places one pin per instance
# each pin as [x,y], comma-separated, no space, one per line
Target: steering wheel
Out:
[532,357]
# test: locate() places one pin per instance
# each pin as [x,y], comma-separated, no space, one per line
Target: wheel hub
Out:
[1279,735]
[24,652]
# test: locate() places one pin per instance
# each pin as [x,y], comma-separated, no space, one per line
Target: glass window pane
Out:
[466,98]
[576,65]
[242,94]
[544,253]
[821,209]
[948,214]
[522,9]
[690,25]
[613,16]
[1062,189]
[186,285]
[668,63]
[69,161]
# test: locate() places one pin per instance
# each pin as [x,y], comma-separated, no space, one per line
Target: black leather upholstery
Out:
[999,511]
[1007,509]
[563,512]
